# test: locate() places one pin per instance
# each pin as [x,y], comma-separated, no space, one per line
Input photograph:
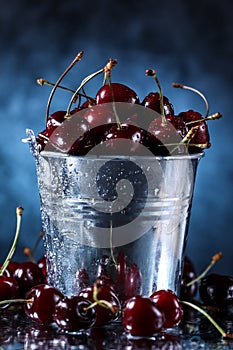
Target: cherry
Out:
[98,293]
[201,136]
[169,304]
[217,290]
[188,275]
[116,92]
[69,136]
[152,100]
[28,275]
[40,303]
[141,317]
[164,133]
[55,119]
[74,313]
[9,289]
[130,136]
[100,114]
[89,140]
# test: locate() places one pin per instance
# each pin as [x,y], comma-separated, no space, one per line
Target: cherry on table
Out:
[9,289]
[104,315]
[40,303]
[188,275]
[168,303]
[217,290]
[74,313]
[141,317]
[27,274]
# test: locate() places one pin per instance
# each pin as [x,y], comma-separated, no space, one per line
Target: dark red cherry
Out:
[116,93]
[9,289]
[55,119]
[169,304]
[68,137]
[104,315]
[12,266]
[28,275]
[74,313]
[133,282]
[188,275]
[89,140]
[202,134]
[141,317]
[217,290]
[124,139]
[152,100]
[41,302]
[100,114]
[164,137]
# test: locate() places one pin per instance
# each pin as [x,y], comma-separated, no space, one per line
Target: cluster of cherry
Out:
[116,113]
[102,303]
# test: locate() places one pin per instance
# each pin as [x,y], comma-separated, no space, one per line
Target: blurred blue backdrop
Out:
[190,42]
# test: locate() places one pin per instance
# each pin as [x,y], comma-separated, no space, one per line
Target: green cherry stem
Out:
[19,213]
[214,323]
[152,73]
[85,81]
[214,259]
[177,85]
[42,81]
[187,138]
[77,58]
[16,301]
[210,117]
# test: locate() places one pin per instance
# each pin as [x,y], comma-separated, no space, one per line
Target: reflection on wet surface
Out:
[18,332]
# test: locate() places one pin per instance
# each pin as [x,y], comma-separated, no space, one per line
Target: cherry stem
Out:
[100,302]
[14,301]
[187,138]
[214,259]
[210,117]
[177,85]
[42,81]
[152,73]
[215,324]
[113,102]
[27,251]
[77,58]
[85,81]
[19,213]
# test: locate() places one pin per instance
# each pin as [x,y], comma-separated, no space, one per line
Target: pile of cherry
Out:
[95,120]
[100,303]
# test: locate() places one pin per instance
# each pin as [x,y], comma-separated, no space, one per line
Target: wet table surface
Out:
[195,332]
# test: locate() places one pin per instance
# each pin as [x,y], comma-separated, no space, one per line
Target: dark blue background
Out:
[190,42]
